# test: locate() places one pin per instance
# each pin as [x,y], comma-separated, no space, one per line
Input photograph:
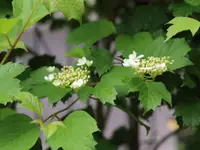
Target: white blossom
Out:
[133,60]
[82,61]
[56,82]
[78,83]
[51,69]
[89,63]
[50,77]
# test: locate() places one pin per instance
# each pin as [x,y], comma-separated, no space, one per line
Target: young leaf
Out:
[71,8]
[6,25]
[193,2]
[190,113]
[102,60]
[151,93]
[17,133]
[127,44]
[77,134]
[5,112]
[180,24]
[30,102]
[51,128]
[91,32]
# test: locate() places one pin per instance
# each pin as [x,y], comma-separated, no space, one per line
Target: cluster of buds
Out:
[150,67]
[70,76]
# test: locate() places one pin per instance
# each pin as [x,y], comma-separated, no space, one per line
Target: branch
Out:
[159,143]
[132,116]
[60,111]
[19,36]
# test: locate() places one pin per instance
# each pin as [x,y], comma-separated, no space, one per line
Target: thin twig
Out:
[20,34]
[159,143]
[9,42]
[118,59]
[60,111]
[131,115]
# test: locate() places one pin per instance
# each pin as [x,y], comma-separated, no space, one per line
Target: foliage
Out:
[124,60]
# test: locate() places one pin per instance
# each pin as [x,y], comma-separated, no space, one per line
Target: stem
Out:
[132,116]
[20,34]
[60,111]
[120,60]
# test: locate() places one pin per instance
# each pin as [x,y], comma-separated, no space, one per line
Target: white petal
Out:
[51,69]
[46,78]
[133,55]
[140,56]
[80,82]
[56,82]
[51,77]
[89,63]
[126,63]
[82,61]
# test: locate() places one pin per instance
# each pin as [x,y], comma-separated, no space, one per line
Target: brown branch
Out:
[60,111]
[159,143]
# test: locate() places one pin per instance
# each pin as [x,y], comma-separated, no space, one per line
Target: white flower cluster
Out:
[150,67]
[69,77]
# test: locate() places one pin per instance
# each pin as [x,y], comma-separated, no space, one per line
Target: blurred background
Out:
[47,46]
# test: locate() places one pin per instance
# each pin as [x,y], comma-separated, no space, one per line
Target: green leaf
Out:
[91,32]
[17,133]
[137,20]
[38,86]
[102,60]
[6,25]
[53,93]
[151,93]
[71,8]
[105,145]
[193,2]
[180,24]
[105,92]
[49,5]
[24,9]
[5,112]
[111,83]
[85,92]
[76,52]
[183,9]
[30,102]
[11,70]
[190,113]
[51,128]
[77,134]
[9,88]
[127,44]
[4,45]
